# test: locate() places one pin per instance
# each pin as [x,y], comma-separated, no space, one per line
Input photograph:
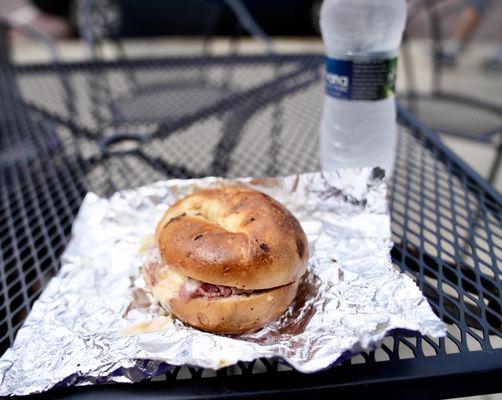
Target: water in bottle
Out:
[358,126]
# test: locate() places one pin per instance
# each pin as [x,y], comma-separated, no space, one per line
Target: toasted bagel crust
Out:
[233,236]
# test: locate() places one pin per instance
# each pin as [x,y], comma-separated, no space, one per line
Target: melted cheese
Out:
[147,242]
[156,325]
[168,285]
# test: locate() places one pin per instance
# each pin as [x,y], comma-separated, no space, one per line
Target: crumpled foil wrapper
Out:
[79,330]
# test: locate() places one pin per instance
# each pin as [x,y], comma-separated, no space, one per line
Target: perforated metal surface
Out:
[69,129]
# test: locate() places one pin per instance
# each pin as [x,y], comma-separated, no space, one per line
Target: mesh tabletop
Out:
[68,129]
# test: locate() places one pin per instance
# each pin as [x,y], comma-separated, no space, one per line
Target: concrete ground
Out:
[466,78]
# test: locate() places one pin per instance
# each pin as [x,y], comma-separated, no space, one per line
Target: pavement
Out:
[467,79]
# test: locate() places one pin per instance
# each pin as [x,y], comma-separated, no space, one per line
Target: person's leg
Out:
[494,63]
[27,13]
[469,20]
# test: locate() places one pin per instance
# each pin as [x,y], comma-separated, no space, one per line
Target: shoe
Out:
[492,64]
[446,59]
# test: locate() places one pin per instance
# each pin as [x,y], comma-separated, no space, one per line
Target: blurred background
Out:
[450,69]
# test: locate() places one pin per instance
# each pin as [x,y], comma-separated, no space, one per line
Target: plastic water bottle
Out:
[358,127]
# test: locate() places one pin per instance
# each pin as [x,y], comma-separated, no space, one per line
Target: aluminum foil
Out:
[81,329]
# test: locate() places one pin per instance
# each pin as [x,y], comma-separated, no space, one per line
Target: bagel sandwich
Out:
[230,260]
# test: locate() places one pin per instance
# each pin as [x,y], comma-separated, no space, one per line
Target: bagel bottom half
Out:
[235,314]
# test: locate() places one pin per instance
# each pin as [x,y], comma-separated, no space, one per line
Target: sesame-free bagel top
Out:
[233,236]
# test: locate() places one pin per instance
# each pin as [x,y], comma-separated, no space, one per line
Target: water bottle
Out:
[358,126]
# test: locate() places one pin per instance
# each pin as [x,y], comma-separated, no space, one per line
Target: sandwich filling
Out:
[172,284]
[193,289]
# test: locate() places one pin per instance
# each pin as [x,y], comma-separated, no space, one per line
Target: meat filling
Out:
[193,289]
[188,288]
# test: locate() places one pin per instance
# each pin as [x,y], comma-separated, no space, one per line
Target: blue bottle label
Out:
[361,80]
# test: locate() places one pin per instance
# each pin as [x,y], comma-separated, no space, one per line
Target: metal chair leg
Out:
[495,165]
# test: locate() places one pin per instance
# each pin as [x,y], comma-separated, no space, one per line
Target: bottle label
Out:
[361,80]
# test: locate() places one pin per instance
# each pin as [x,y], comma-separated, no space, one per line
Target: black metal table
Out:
[66,129]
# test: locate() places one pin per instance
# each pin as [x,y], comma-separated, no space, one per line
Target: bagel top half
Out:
[233,236]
